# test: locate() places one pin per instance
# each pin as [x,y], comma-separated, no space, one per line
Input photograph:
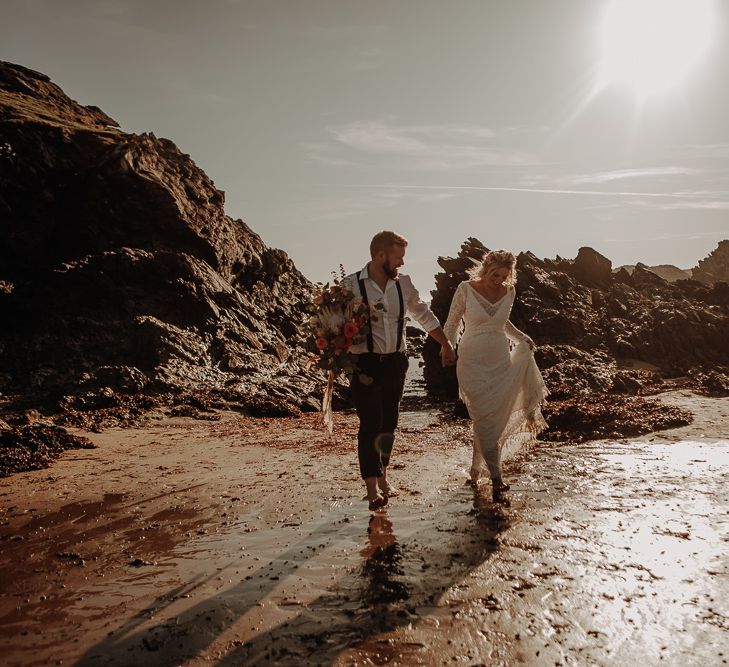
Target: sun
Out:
[652,44]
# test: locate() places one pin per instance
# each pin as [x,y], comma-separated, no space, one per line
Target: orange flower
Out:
[321,343]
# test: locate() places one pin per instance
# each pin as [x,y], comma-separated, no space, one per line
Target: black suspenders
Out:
[400,319]
[363,292]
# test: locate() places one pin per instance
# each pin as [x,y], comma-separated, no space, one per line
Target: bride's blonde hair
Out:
[495,260]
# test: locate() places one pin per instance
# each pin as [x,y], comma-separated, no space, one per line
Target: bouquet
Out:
[339,319]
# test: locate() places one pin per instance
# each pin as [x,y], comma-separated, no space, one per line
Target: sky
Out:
[541,125]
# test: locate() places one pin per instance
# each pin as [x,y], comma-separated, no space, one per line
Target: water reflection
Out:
[382,569]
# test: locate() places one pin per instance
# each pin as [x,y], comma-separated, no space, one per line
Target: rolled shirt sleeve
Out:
[416,306]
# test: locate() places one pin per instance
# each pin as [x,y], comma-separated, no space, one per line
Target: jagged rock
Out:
[35,446]
[416,339]
[644,279]
[675,326]
[624,276]
[587,323]
[439,380]
[668,272]
[711,382]
[121,270]
[591,268]
[589,417]
[126,379]
[715,267]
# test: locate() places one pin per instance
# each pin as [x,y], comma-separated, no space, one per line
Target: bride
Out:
[498,381]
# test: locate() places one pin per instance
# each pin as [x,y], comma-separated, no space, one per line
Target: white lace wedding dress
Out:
[499,383]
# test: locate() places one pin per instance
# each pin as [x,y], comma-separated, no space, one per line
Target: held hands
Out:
[447,355]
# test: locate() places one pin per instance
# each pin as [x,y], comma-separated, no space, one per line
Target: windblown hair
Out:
[384,241]
[495,260]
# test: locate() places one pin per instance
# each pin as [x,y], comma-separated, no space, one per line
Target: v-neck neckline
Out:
[493,304]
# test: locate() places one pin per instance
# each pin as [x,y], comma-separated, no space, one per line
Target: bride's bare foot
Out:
[388,490]
[499,492]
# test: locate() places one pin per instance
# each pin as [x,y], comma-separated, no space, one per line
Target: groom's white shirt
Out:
[384,329]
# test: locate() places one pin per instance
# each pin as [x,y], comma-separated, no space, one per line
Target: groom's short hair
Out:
[385,240]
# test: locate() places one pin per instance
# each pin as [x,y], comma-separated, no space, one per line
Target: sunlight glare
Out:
[652,44]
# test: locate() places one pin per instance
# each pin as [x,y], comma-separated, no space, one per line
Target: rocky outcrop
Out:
[591,324]
[120,271]
[33,446]
[438,380]
[715,267]
[668,272]
[590,268]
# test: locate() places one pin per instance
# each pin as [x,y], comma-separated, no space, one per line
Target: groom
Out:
[378,381]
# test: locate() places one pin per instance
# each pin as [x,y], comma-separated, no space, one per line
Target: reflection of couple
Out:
[502,387]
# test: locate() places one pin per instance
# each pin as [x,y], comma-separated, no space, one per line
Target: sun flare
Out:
[652,44]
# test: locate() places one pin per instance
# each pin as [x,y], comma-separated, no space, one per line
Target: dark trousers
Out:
[377,387]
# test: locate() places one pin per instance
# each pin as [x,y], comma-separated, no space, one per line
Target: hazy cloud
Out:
[324,154]
[555,191]
[720,150]
[421,146]
[688,204]
[338,208]
[620,174]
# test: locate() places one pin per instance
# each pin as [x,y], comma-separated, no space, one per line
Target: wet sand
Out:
[245,541]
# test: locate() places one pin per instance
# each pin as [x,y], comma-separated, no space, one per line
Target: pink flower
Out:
[350,330]
[321,343]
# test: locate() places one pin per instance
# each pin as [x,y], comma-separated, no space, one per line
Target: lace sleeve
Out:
[515,334]
[452,326]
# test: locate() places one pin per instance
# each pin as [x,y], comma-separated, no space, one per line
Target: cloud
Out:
[341,207]
[555,191]
[719,150]
[419,146]
[688,204]
[619,174]
[324,154]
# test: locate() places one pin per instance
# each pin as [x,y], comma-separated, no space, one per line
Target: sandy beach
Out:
[245,541]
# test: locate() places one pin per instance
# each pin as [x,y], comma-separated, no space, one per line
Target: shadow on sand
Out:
[398,581]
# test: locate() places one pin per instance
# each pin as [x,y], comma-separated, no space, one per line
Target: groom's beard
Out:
[390,272]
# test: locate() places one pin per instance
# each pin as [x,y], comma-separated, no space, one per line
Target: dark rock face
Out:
[585,417]
[715,267]
[438,380]
[591,268]
[591,323]
[120,269]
